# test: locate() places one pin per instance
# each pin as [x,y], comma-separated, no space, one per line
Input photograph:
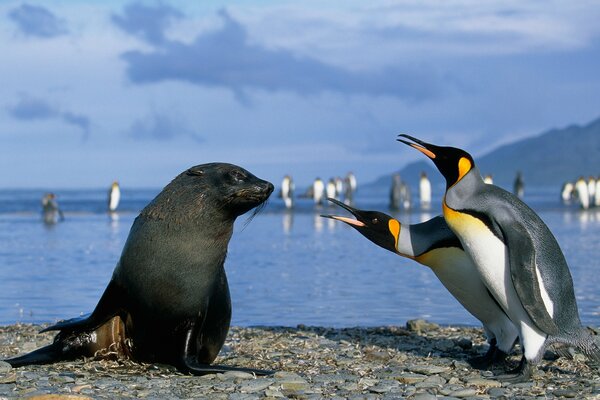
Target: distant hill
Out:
[548,159]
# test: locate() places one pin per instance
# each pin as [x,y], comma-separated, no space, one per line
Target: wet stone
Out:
[565,393]
[234,376]
[422,396]
[427,369]
[463,393]
[5,367]
[409,378]
[483,382]
[497,392]
[256,385]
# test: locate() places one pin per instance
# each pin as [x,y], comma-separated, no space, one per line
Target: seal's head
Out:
[220,191]
[232,188]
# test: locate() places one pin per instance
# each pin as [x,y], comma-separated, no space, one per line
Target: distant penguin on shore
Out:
[583,194]
[318,191]
[597,193]
[51,213]
[424,191]
[519,185]
[488,179]
[592,189]
[287,191]
[350,188]
[331,189]
[566,193]
[114,197]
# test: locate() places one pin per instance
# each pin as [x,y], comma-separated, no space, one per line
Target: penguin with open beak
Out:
[434,245]
[516,256]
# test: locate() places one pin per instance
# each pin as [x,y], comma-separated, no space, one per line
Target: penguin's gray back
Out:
[501,210]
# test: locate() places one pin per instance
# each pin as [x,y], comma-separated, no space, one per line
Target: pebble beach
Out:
[420,361]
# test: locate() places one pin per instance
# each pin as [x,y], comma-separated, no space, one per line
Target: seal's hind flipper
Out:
[110,304]
[195,368]
[44,355]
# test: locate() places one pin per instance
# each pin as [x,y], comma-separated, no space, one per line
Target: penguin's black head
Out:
[376,226]
[453,163]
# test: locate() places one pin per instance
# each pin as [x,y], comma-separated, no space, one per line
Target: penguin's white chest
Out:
[490,256]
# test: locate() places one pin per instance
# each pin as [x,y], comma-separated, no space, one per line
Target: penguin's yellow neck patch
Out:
[394,227]
[464,166]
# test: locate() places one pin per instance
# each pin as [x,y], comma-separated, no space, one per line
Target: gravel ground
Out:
[420,361]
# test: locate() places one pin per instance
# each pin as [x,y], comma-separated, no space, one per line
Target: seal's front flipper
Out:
[44,355]
[195,368]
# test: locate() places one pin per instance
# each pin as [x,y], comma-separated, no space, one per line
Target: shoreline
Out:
[418,361]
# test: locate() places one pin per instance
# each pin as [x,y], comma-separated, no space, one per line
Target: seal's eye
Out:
[375,221]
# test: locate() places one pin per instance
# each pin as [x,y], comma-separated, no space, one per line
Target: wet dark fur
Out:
[168,300]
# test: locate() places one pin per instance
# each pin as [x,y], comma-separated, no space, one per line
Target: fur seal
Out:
[168,298]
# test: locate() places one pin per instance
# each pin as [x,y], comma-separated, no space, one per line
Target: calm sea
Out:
[284,268]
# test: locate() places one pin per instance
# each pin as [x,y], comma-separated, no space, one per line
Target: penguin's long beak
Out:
[355,222]
[423,147]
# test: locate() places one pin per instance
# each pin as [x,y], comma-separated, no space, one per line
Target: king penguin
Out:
[516,255]
[434,245]
[114,196]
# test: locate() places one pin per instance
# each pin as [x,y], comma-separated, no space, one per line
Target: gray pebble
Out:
[409,378]
[423,396]
[234,376]
[5,367]
[565,393]
[497,392]
[242,396]
[427,369]
[464,393]
[256,385]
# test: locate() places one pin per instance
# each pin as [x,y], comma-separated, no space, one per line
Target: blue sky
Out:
[97,90]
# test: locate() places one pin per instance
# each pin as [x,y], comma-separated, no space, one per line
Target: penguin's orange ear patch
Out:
[464,166]
[394,227]
[423,150]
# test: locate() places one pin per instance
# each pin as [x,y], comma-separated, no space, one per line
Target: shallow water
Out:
[284,268]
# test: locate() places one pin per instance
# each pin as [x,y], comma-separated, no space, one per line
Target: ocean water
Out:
[284,268]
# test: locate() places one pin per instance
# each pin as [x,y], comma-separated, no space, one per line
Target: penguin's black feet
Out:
[523,373]
[493,356]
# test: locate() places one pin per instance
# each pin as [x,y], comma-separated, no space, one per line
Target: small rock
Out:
[423,396]
[444,345]
[349,386]
[11,377]
[483,382]
[5,367]
[384,386]
[427,369]
[409,378]
[497,392]
[273,393]
[243,396]
[435,379]
[464,393]
[465,343]
[256,385]
[234,376]
[565,393]
[420,325]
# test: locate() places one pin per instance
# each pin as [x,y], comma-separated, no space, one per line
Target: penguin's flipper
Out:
[521,256]
[109,305]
